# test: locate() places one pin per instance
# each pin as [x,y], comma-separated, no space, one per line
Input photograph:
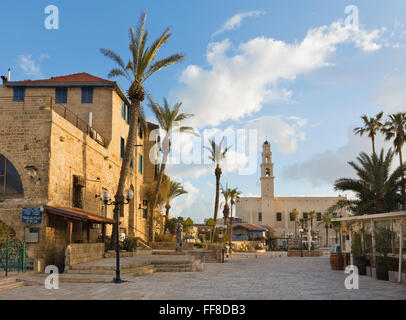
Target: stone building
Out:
[61,145]
[276,212]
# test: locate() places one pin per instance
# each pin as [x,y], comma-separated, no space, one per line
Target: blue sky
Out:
[304,91]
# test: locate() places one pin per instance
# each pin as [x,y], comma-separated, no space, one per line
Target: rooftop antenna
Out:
[9,74]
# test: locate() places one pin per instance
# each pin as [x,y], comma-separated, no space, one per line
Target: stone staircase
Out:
[106,273]
[10,283]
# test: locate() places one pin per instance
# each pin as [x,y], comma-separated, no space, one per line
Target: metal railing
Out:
[45,102]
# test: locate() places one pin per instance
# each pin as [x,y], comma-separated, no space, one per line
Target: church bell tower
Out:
[267,178]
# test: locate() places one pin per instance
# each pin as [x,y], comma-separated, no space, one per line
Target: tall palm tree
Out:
[326,221]
[217,154]
[169,119]
[376,190]
[371,126]
[234,197]
[295,214]
[173,189]
[226,192]
[139,68]
[395,128]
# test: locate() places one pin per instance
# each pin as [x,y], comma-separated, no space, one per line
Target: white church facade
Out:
[276,212]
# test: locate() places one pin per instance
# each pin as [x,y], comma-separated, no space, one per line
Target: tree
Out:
[139,68]
[171,225]
[169,119]
[376,190]
[371,126]
[312,216]
[234,197]
[295,214]
[226,192]
[326,221]
[173,190]
[395,128]
[188,224]
[217,154]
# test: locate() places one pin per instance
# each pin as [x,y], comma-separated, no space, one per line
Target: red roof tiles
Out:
[76,77]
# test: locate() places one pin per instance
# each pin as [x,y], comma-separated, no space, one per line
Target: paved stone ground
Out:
[239,278]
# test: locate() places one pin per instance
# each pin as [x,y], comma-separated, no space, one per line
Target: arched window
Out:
[10,182]
[267,172]
[266,159]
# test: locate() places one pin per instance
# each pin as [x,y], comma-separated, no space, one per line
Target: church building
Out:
[276,212]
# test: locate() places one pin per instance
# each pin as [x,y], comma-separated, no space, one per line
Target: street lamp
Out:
[106,198]
[301,242]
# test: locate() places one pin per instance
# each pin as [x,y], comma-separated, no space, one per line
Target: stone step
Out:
[85,278]
[107,267]
[110,270]
[10,283]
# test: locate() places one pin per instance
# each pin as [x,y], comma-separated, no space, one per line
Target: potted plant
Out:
[359,258]
[382,242]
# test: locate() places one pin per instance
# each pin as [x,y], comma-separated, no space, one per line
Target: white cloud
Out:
[391,93]
[235,21]
[240,84]
[280,132]
[30,66]
[325,167]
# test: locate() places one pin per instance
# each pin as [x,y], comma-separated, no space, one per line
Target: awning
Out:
[76,214]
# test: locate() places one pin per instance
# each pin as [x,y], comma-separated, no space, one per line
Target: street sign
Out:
[32,215]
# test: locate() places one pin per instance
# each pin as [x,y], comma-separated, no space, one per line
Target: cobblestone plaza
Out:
[242,277]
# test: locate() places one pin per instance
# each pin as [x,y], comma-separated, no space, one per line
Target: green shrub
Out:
[129,243]
[165,238]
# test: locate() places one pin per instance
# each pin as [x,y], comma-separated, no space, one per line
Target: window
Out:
[87,95]
[292,216]
[259,216]
[140,164]
[279,216]
[132,163]
[124,112]
[305,215]
[139,130]
[145,209]
[10,182]
[79,184]
[156,170]
[267,172]
[18,94]
[122,148]
[318,216]
[61,95]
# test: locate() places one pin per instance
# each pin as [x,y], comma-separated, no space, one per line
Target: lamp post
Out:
[106,198]
[301,242]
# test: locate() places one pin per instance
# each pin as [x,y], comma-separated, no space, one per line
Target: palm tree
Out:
[326,221]
[173,190]
[169,119]
[226,192]
[395,128]
[234,197]
[376,190]
[217,154]
[371,126]
[295,214]
[139,68]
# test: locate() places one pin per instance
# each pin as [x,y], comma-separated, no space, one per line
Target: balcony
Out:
[48,103]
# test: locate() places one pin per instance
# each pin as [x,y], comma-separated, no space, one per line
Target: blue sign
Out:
[32,215]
